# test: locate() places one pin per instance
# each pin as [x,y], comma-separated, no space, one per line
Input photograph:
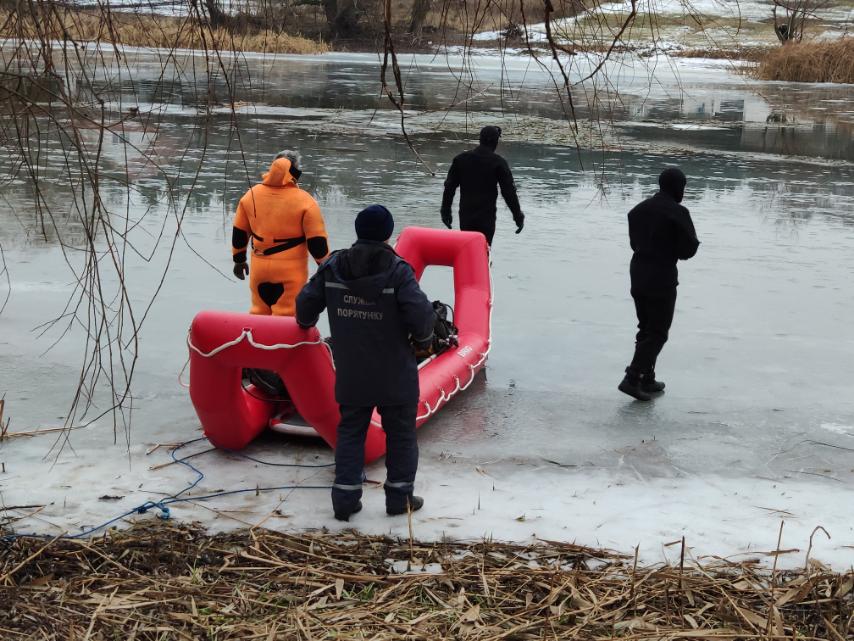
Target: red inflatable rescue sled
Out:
[223,343]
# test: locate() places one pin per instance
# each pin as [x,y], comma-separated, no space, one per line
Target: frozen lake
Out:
[758,421]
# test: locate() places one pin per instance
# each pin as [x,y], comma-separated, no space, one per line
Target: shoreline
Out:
[748,55]
[519,501]
[816,59]
[180,580]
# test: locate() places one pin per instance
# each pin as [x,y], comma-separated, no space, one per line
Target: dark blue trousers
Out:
[401,459]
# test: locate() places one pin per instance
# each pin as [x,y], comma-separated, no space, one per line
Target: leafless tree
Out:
[790,17]
[54,99]
[420,8]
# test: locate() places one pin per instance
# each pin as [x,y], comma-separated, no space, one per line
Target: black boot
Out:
[345,515]
[650,385]
[632,386]
[413,503]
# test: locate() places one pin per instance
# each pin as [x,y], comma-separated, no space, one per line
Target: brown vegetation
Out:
[495,14]
[810,62]
[750,54]
[412,21]
[300,29]
[171,582]
[142,30]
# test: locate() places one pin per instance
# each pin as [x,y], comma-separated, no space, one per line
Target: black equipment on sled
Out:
[444,332]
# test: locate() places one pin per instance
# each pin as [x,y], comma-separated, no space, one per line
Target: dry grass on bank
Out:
[750,54]
[810,62]
[171,582]
[149,31]
[485,15]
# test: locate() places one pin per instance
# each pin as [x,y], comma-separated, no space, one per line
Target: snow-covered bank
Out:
[674,25]
[466,499]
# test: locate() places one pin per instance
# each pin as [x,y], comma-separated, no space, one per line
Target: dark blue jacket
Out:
[375,305]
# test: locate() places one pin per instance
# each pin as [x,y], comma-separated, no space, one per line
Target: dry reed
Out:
[173,582]
[831,61]
[482,15]
[4,427]
[142,30]
[753,54]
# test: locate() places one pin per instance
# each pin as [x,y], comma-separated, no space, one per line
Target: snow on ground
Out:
[724,23]
[465,498]
[755,10]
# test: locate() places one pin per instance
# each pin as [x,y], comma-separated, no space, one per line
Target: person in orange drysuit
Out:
[285,225]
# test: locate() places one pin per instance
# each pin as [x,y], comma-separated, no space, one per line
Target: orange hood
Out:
[279,174]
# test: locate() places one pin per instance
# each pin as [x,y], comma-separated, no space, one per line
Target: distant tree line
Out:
[343,18]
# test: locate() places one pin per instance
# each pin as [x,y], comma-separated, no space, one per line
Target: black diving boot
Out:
[650,385]
[345,516]
[632,386]
[413,503]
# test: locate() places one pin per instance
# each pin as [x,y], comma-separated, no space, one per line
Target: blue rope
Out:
[163,505]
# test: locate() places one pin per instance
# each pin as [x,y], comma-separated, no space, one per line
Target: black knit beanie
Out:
[374,223]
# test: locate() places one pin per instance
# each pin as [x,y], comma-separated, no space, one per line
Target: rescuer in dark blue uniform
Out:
[477,172]
[376,311]
[661,233]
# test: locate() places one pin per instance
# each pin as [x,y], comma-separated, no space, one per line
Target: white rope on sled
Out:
[444,397]
[246,335]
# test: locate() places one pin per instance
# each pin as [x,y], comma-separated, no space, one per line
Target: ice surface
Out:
[755,427]
[637,503]
[836,428]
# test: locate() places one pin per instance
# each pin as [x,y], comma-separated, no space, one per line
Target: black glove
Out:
[240,270]
[448,220]
[520,223]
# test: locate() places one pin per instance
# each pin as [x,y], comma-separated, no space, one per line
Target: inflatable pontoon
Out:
[222,344]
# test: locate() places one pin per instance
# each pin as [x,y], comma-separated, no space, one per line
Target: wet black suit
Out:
[375,305]
[661,232]
[479,173]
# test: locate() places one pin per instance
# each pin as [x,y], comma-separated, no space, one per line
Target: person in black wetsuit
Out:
[661,233]
[479,173]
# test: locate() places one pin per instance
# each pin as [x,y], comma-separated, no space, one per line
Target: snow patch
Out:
[413,567]
[687,126]
[732,517]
